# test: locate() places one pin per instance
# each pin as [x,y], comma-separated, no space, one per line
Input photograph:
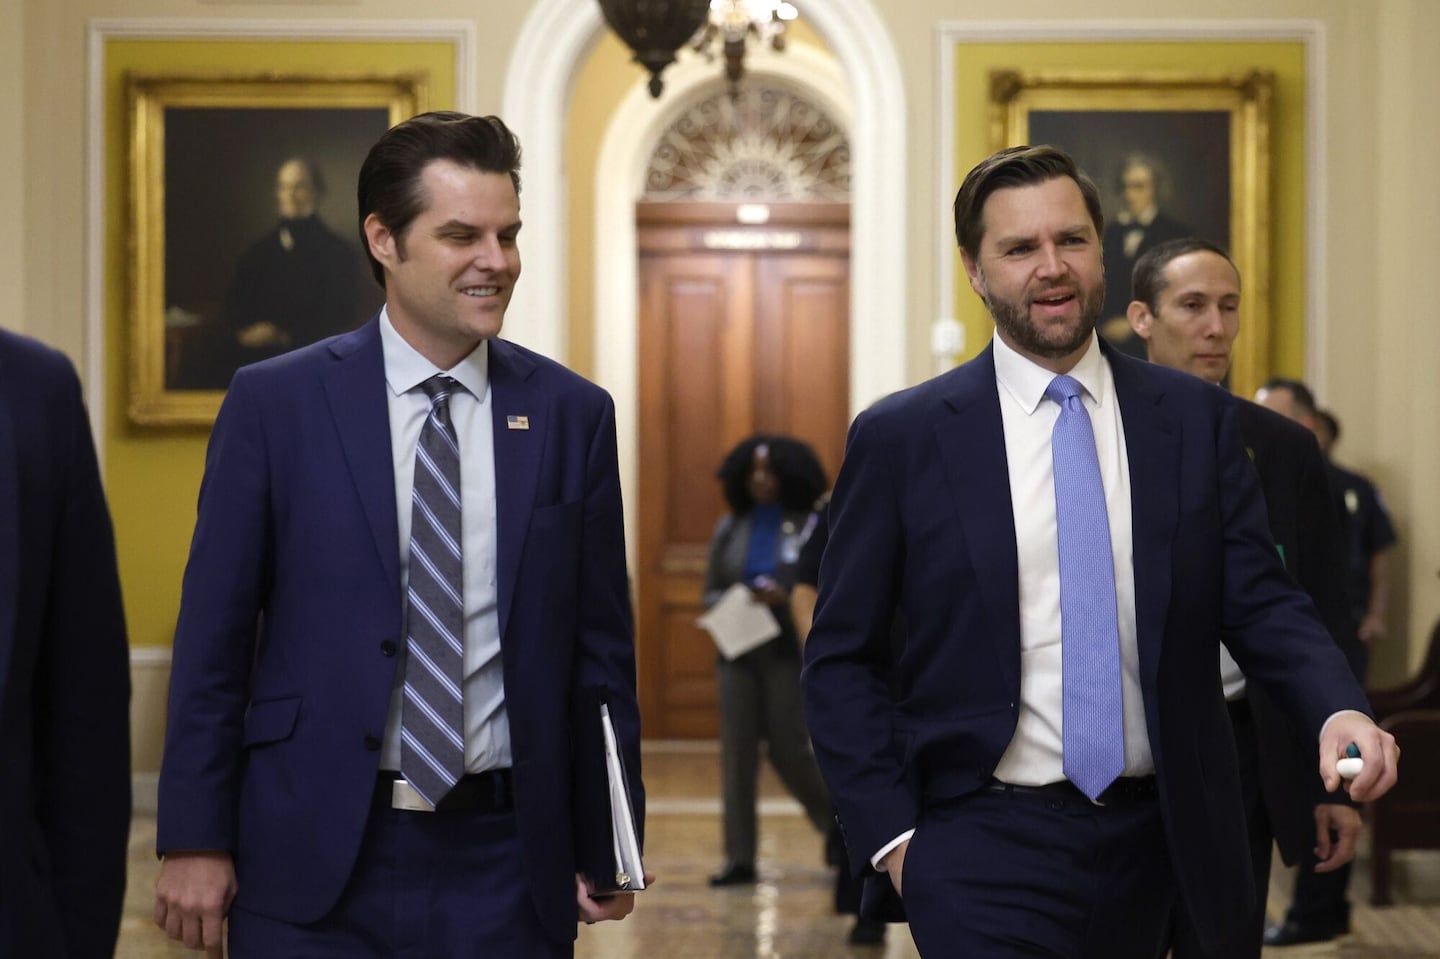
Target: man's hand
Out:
[894,864]
[192,896]
[1377,748]
[1344,821]
[617,906]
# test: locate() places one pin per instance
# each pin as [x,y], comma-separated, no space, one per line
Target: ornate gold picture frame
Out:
[1173,155]
[243,240]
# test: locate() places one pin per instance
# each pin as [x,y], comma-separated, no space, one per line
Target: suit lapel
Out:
[521,420]
[972,448]
[355,388]
[1152,448]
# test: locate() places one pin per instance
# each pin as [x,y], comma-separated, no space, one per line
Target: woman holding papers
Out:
[770,484]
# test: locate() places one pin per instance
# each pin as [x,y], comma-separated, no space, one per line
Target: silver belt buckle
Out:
[405,796]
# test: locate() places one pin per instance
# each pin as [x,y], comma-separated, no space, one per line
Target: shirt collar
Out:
[406,369]
[1026,381]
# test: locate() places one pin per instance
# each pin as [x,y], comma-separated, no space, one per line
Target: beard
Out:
[1013,319]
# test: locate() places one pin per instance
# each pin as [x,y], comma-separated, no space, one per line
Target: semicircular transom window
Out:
[765,144]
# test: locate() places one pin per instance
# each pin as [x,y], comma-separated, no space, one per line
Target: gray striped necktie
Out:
[432,743]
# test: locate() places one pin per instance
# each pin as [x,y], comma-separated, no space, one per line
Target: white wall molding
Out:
[461,33]
[1310,33]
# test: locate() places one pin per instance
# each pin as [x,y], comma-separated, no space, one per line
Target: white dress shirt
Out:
[1033,757]
[487,726]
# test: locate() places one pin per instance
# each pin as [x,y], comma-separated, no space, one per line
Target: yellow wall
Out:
[974,61]
[604,79]
[153,474]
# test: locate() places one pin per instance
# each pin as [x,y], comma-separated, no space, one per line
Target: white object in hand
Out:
[1349,767]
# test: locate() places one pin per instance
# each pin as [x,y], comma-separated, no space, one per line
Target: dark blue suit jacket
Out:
[922,528]
[64,671]
[292,612]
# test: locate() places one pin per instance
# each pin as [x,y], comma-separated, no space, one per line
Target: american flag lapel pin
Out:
[517,422]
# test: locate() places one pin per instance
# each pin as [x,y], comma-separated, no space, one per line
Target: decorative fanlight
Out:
[656,29]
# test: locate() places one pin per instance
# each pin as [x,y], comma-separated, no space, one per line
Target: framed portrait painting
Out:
[1173,155]
[244,240]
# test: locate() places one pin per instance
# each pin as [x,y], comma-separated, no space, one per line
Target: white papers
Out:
[629,872]
[739,622]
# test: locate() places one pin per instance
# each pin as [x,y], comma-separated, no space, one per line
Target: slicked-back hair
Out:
[1148,281]
[389,184]
[795,465]
[1016,166]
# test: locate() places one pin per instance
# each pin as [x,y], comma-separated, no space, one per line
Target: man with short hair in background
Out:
[1186,308]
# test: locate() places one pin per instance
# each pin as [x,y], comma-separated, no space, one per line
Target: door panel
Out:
[732,342]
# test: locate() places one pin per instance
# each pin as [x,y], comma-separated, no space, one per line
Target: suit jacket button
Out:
[387,648]
[371,743]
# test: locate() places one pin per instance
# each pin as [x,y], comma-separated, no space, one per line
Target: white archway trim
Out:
[620,180]
[1309,33]
[461,33]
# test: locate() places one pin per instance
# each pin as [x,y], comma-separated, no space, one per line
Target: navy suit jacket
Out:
[922,528]
[291,617]
[64,671]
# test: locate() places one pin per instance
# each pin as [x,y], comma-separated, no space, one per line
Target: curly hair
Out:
[802,479]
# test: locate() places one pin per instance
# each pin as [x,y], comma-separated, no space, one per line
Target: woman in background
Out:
[770,484]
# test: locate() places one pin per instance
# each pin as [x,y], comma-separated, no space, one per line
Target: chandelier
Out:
[733,22]
[655,29]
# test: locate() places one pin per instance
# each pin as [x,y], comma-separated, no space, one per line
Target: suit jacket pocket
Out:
[271,720]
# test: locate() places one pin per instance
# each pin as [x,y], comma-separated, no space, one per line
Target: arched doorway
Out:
[744,269]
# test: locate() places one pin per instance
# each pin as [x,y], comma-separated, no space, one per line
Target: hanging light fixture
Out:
[732,23]
[655,30]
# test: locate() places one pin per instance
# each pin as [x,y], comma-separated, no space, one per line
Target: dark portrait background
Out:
[1192,149]
[220,198]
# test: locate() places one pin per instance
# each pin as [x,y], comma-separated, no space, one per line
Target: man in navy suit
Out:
[286,795]
[64,671]
[1187,310]
[949,770]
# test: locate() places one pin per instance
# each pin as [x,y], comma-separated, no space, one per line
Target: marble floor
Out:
[787,914]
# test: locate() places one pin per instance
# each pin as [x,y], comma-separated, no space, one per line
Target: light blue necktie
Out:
[432,744]
[1093,720]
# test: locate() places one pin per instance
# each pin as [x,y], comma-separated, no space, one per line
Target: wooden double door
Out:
[744,328]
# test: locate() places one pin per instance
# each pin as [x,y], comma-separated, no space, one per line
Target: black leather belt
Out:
[1123,790]
[490,791]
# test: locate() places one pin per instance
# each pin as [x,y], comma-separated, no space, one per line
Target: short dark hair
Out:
[389,184]
[794,463]
[1304,399]
[1016,166]
[1148,281]
[1332,423]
